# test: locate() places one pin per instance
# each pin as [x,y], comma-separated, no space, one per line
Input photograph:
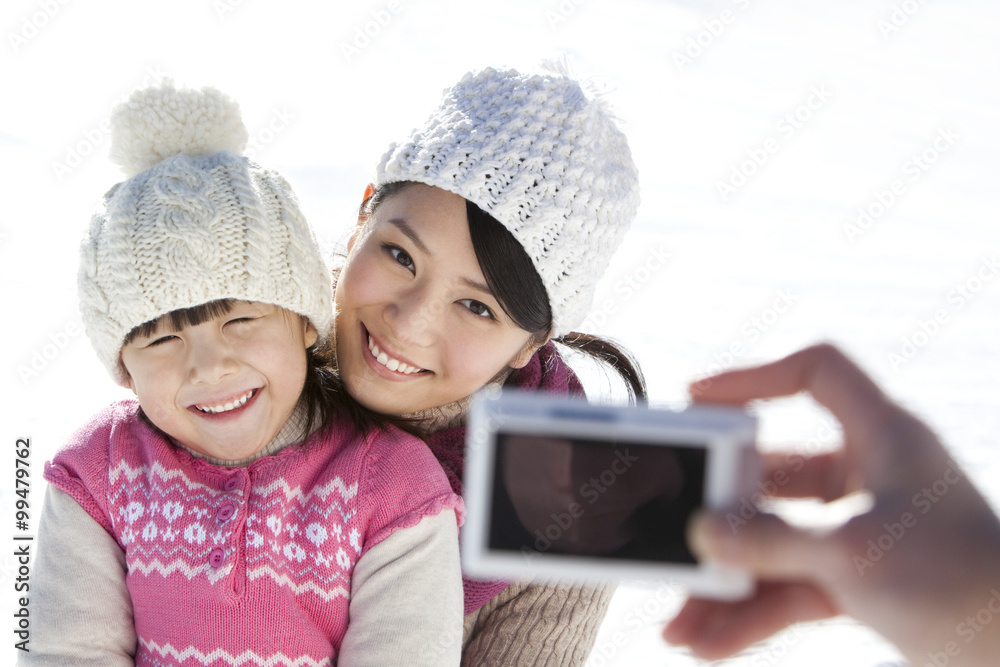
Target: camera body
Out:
[558,488]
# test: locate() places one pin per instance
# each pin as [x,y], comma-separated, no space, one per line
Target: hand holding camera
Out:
[927,593]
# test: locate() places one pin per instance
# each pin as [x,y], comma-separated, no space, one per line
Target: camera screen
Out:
[595,498]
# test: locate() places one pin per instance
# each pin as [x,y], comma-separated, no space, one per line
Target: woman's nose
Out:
[415,318]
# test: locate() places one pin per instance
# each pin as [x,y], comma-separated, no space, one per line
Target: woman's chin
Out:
[393,399]
[394,406]
[377,400]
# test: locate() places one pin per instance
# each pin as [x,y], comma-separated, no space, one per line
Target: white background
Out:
[700,87]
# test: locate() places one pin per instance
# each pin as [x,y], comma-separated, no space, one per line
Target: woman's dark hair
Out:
[327,398]
[519,289]
[324,396]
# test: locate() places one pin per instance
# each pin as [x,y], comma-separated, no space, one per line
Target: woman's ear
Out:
[363,216]
[524,356]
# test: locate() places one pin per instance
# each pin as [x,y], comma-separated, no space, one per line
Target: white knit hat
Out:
[543,158]
[194,223]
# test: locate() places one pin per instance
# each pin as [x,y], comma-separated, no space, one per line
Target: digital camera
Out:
[558,488]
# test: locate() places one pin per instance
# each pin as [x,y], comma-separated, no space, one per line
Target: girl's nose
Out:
[210,362]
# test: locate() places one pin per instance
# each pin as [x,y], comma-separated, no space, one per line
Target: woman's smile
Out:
[388,365]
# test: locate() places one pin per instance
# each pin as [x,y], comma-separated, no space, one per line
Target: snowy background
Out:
[809,170]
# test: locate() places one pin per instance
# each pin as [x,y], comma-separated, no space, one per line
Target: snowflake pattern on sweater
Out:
[247,565]
[292,536]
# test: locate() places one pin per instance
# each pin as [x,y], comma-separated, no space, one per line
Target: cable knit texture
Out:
[545,371]
[249,565]
[545,159]
[194,223]
[536,625]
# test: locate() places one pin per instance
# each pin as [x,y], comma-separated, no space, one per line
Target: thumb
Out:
[764,545]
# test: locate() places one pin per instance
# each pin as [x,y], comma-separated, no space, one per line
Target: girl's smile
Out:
[226,407]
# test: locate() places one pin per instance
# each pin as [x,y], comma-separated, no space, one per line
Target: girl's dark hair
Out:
[323,395]
[519,289]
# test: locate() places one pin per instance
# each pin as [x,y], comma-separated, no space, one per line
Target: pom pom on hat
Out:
[160,122]
[196,222]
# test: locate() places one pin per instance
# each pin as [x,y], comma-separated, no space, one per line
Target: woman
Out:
[478,245]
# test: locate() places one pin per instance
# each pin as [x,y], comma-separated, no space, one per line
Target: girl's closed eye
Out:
[160,340]
[242,326]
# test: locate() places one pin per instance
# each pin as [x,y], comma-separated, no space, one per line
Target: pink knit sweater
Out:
[249,564]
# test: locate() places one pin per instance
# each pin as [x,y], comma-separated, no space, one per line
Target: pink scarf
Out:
[545,371]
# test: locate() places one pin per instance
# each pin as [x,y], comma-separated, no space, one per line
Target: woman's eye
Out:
[400,255]
[478,308]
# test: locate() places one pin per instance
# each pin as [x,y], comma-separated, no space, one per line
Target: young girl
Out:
[232,515]
[481,241]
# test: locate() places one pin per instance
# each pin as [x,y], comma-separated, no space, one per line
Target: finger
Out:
[822,370]
[715,630]
[867,415]
[792,475]
[764,545]
[691,620]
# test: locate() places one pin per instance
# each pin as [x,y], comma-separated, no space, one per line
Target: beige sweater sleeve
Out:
[80,607]
[535,624]
[406,599]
